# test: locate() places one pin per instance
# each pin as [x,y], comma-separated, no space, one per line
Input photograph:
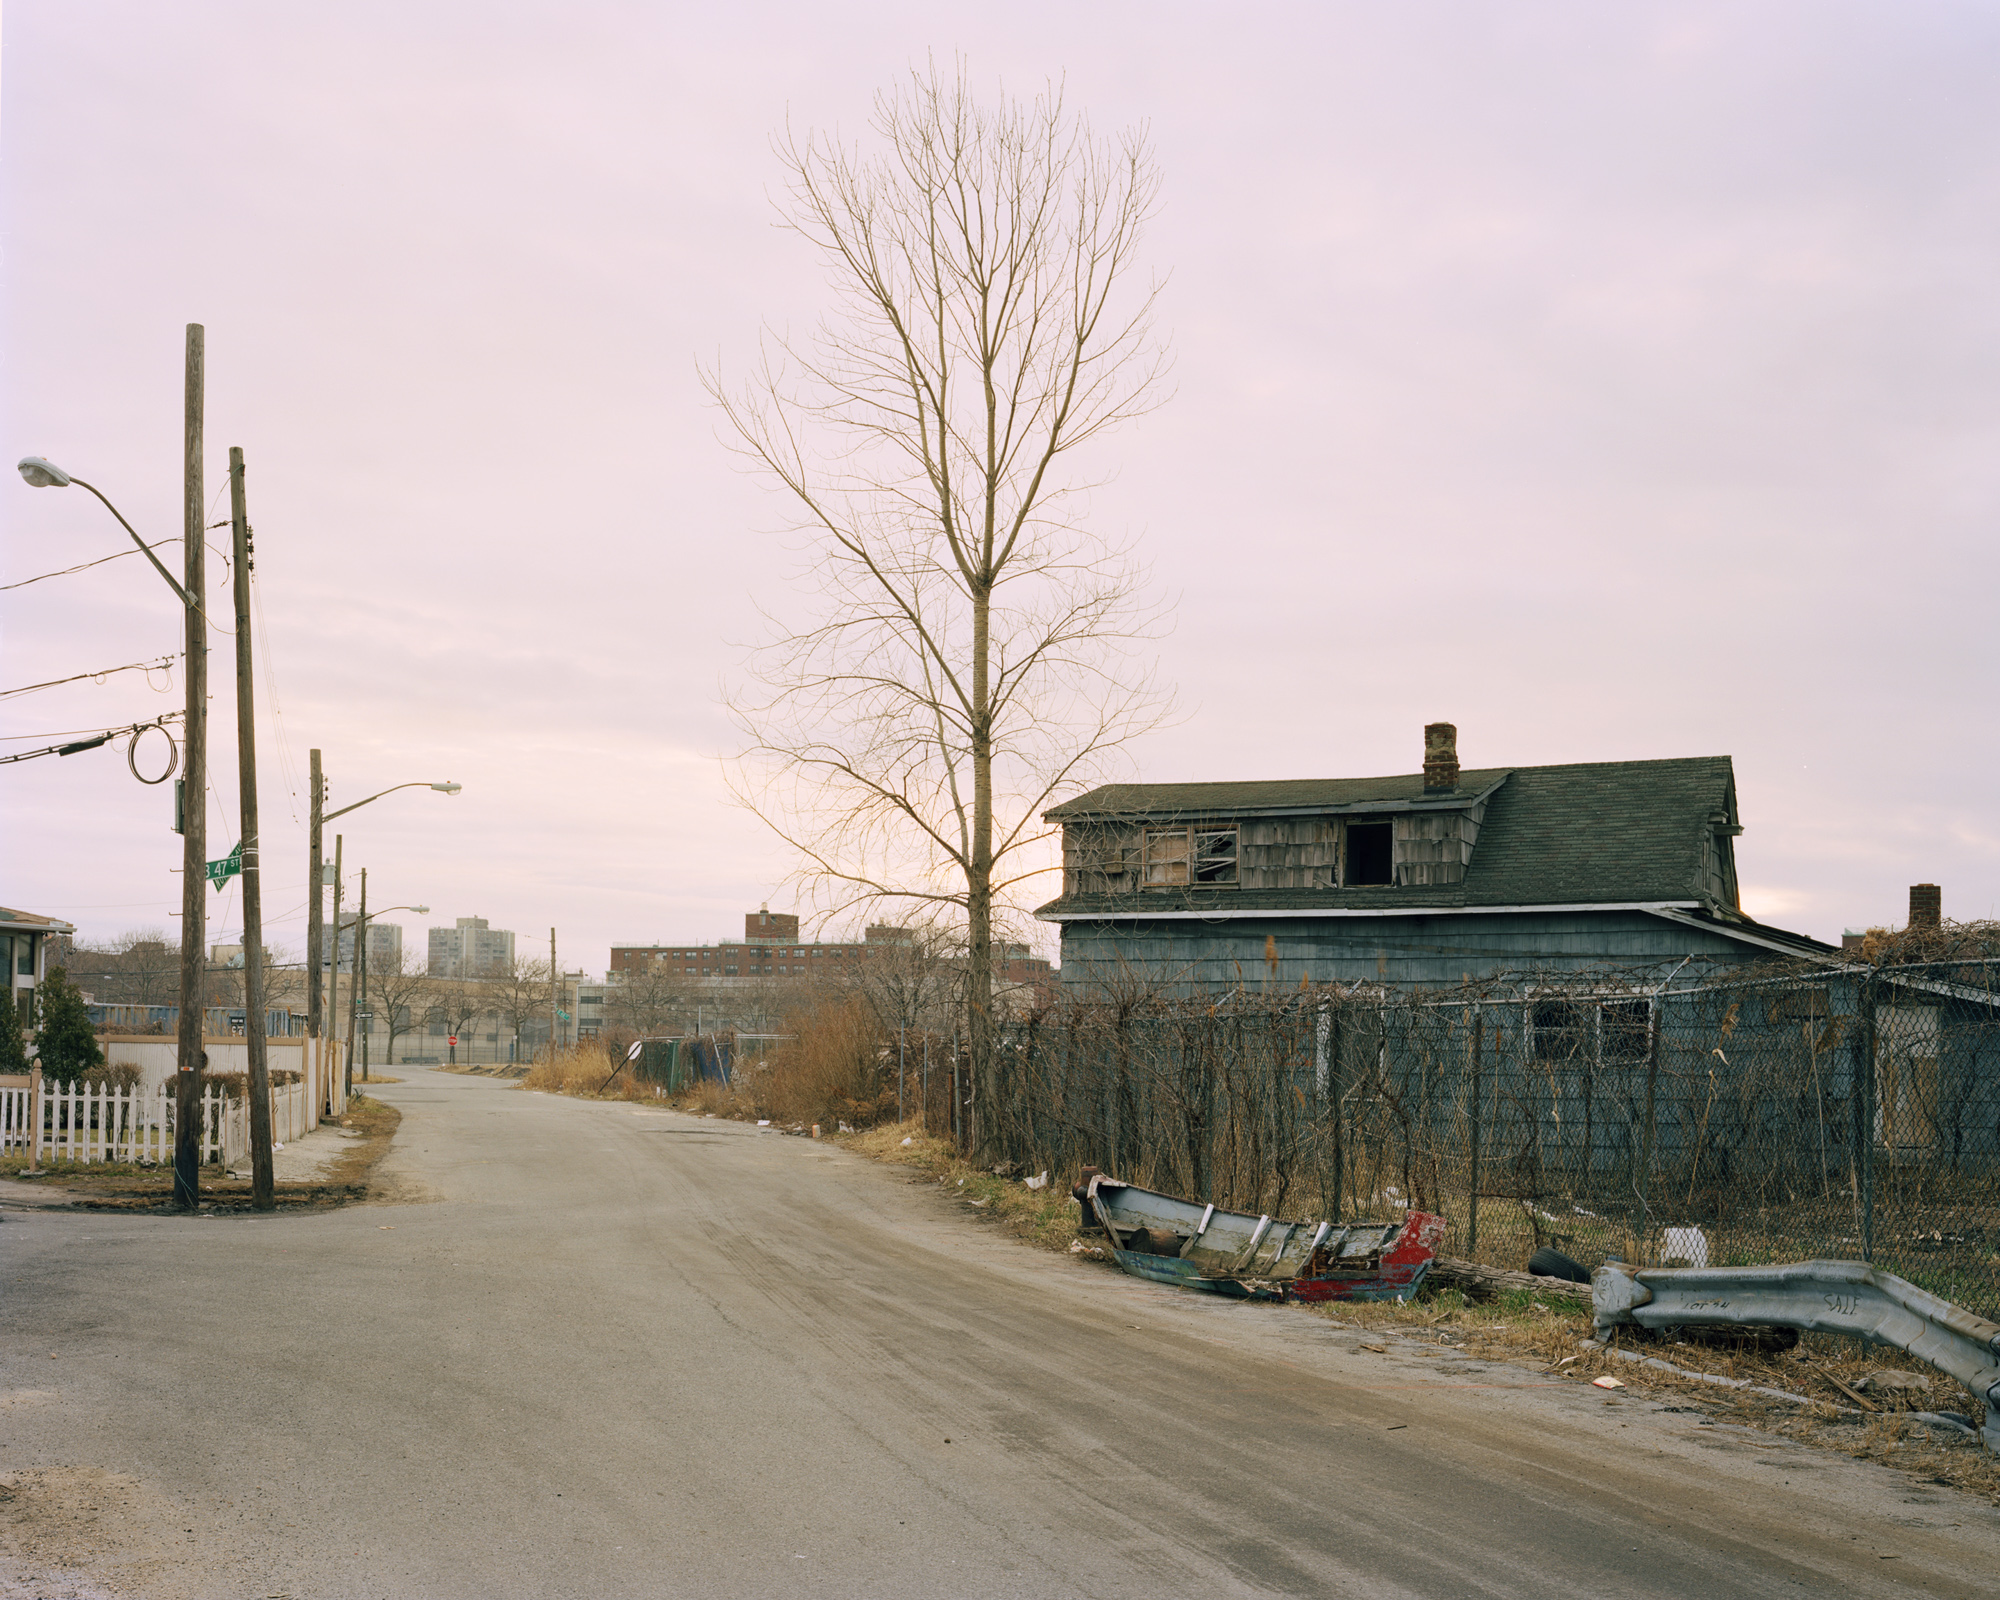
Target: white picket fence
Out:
[98,1122]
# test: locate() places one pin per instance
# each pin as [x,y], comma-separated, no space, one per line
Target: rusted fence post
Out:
[1472,1199]
[1866,1112]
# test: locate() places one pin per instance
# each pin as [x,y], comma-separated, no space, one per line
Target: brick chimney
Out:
[1440,758]
[1926,905]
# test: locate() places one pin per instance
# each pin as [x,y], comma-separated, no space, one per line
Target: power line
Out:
[66,571]
[165,663]
[90,743]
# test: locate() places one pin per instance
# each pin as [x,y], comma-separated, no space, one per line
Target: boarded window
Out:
[1371,854]
[1166,857]
[1906,1076]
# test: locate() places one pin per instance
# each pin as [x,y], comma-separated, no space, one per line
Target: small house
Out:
[1431,878]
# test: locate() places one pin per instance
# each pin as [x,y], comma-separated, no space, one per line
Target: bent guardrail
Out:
[1845,1297]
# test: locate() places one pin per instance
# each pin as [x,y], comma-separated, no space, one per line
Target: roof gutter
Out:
[1675,913]
[1221,914]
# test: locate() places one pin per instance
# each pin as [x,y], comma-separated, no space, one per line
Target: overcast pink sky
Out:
[1614,381]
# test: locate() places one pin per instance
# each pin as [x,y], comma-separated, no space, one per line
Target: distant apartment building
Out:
[385,943]
[771,951]
[470,950]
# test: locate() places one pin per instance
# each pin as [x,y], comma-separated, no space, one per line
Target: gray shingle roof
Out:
[1591,833]
[1267,795]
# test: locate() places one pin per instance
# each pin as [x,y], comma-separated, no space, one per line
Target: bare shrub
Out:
[831,1068]
[585,1068]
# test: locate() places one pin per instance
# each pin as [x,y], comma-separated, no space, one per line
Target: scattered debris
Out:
[1889,1380]
[1039,1182]
[907,1142]
[1684,1247]
[1607,1381]
[1379,1349]
[1192,1246]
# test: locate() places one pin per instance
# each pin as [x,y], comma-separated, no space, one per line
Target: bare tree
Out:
[455,1002]
[137,968]
[519,992]
[648,999]
[399,985]
[972,655]
[911,985]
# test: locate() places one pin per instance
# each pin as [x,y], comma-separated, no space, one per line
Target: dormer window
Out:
[1179,857]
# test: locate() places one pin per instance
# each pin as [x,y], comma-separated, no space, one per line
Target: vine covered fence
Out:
[1732,1118]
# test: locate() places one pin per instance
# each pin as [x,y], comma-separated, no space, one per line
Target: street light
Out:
[316,872]
[45,474]
[40,473]
[358,995]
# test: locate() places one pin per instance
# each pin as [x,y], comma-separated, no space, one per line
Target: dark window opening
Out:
[1627,1029]
[1560,1030]
[1371,854]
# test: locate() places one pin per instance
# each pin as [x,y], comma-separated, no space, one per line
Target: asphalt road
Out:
[604,1351]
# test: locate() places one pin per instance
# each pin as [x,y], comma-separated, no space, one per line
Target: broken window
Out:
[1371,854]
[1560,1029]
[1624,1031]
[1176,857]
[1215,855]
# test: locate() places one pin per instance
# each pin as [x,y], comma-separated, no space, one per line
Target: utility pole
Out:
[554,989]
[194,839]
[261,1197]
[333,981]
[316,937]
[365,1017]
[360,969]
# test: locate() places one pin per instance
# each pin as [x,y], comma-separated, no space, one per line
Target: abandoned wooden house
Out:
[1433,878]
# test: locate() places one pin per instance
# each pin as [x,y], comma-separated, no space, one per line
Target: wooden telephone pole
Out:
[355,979]
[194,838]
[555,990]
[261,1195]
[333,986]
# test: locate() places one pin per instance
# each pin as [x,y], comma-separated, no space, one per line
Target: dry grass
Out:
[1550,1336]
[585,1070]
[1045,1217]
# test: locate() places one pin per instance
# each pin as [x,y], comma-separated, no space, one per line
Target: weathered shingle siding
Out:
[1431,951]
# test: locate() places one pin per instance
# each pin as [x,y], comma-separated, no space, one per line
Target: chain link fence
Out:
[1721,1118]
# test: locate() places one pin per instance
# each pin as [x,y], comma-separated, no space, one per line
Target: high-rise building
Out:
[385,942]
[470,950]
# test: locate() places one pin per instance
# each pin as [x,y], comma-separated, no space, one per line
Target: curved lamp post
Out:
[41,473]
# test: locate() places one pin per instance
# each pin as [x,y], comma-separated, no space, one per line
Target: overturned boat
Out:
[1197,1246]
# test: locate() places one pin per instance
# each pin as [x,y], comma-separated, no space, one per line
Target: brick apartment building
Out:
[771,951]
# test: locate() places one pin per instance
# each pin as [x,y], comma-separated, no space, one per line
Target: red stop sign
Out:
[453,1038]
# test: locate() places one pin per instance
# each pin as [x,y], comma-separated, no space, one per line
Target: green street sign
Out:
[229,867]
[562,1013]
